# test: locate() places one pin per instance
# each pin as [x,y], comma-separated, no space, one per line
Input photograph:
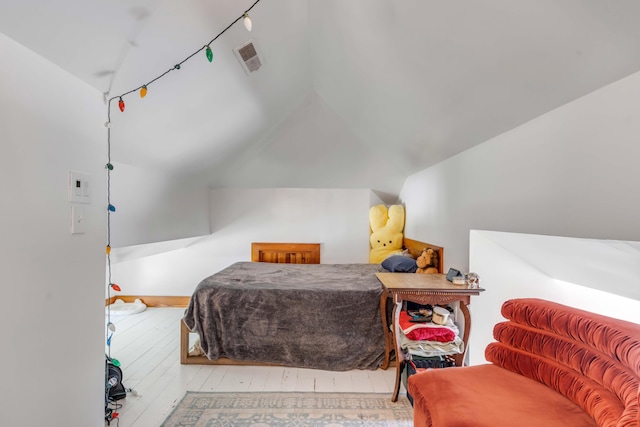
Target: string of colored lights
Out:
[143,89]
[208,51]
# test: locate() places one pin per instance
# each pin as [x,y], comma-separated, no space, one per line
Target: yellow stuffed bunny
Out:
[387,226]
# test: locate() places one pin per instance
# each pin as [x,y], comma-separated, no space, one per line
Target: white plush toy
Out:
[121,308]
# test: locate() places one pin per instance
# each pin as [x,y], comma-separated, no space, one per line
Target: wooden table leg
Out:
[399,358]
[388,337]
[464,309]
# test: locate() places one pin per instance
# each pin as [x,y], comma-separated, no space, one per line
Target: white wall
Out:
[508,265]
[52,282]
[152,206]
[338,219]
[571,172]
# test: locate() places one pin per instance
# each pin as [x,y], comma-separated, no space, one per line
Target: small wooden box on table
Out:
[422,289]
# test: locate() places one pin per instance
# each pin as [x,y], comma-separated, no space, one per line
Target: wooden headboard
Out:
[288,253]
[415,248]
[309,253]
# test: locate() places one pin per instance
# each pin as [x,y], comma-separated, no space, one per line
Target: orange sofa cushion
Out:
[488,395]
[592,359]
[551,365]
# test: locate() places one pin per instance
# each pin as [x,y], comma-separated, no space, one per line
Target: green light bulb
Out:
[209,54]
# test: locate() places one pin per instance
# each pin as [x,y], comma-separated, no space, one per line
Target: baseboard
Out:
[152,300]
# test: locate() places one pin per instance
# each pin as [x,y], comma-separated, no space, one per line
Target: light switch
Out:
[79,189]
[77,220]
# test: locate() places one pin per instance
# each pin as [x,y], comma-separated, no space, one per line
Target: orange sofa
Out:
[552,365]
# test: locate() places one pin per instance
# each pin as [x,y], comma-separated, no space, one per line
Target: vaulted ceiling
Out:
[351,93]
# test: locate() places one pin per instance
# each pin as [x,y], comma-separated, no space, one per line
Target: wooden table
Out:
[422,289]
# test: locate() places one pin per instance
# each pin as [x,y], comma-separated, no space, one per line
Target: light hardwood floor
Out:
[147,346]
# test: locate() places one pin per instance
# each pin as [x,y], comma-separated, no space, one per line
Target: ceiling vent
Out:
[249,57]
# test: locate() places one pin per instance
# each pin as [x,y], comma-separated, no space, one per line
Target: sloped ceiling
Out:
[352,93]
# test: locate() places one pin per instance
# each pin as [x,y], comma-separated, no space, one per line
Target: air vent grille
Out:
[249,57]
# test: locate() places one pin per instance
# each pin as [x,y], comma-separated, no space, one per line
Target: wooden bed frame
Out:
[292,253]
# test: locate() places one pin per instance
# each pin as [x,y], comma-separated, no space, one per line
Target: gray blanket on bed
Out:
[321,316]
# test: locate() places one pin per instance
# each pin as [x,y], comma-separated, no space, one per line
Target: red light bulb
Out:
[121,105]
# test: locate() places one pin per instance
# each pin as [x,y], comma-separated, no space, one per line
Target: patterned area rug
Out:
[199,409]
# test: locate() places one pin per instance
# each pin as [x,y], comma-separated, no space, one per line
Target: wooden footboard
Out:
[185,359]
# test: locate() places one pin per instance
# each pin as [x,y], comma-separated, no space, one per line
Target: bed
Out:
[286,308]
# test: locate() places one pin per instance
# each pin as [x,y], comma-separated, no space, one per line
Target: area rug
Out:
[201,409]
